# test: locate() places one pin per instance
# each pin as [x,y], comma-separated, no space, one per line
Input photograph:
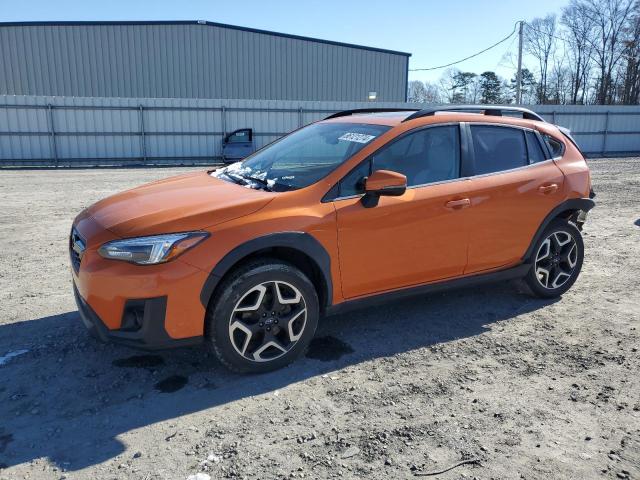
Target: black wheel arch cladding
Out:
[571,205]
[301,242]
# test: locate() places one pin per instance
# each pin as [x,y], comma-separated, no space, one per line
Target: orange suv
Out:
[363,206]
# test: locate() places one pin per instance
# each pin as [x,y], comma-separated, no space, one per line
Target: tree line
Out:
[589,54]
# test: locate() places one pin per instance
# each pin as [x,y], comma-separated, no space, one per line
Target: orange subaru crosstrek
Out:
[363,206]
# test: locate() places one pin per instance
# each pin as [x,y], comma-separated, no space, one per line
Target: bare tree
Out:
[475,90]
[432,93]
[423,92]
[417,92]
[560,83]
[449,85]
[610,18]
[540,43]
[630,94]
[591,56]
[580,38]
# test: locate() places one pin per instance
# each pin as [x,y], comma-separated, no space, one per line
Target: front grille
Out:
[77,246]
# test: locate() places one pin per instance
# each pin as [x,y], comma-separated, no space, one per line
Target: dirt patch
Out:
[4,441]
[171,384]
[529,388]
[327,349]
[139,361]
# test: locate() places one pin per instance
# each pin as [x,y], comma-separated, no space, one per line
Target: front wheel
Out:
[263,317]
[558,257]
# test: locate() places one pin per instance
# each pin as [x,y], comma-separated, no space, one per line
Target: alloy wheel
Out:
[267,321]
[556,260]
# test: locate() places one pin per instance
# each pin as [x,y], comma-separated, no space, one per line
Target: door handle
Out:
[547,189]
[458,204]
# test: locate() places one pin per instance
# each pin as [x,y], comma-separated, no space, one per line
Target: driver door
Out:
[411,239]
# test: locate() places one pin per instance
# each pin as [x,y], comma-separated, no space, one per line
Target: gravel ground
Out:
[517,387]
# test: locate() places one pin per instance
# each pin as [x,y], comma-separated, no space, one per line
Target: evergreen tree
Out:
[490,88]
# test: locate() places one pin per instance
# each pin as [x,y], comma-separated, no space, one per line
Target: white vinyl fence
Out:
[72,131]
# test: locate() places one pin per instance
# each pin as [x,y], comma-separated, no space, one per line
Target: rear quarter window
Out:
[556,147]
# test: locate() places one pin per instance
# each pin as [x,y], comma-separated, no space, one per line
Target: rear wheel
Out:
[263,317]
[558,258]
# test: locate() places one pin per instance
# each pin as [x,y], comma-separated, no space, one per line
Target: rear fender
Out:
[575,208]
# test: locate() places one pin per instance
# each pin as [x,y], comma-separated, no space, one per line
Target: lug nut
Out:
[273,313]
[264,314]
[268,329]
[275,321]
[262,324]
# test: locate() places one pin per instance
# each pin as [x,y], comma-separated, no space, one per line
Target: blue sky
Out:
[435,32]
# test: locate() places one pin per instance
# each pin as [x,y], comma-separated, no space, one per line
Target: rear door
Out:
[512,188]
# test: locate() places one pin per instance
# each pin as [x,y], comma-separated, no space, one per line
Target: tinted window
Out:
[352,183]
[498,148]
[426,156]
[240,136]
[556,147]
[536,154]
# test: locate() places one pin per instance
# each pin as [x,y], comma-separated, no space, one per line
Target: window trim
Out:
[462,153]
[472,155]
[536,134]
[548,148]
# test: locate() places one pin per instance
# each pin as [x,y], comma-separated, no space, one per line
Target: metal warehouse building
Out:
[191,59]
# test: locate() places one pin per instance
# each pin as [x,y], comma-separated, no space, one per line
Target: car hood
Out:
[183,203]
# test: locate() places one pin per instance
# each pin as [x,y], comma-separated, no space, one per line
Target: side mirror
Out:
[383,182]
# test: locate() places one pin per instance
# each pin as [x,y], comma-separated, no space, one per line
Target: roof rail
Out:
[346,113]
[495,110]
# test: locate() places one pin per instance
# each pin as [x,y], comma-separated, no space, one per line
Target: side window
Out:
[536,154]
[352,183]
[426,156]
[556,147]
[498,148]
[239,136]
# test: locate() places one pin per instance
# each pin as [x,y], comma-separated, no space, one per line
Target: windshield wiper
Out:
[243,179]
[236,179]
[260,181]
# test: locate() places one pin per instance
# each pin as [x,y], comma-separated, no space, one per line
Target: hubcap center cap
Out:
[556,259]
[268,321]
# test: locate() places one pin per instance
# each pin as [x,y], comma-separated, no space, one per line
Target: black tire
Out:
[264,281]
[564,265]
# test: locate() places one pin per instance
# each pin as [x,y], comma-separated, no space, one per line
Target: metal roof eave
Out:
[202,22]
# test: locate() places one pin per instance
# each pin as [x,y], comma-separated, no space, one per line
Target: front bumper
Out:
[150,306]
[150,336]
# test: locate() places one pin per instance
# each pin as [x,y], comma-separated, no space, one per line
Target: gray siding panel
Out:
[190,61]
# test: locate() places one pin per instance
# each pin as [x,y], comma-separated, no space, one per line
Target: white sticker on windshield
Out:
[357,137]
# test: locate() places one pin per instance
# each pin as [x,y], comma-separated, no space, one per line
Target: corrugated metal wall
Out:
[191,60]
[598,129]
[123,131]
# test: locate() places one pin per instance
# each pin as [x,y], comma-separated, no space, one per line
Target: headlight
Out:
[151,250]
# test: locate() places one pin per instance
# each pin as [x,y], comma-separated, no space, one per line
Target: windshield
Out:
[303,157]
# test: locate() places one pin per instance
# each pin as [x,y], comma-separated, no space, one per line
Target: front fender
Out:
[301,241]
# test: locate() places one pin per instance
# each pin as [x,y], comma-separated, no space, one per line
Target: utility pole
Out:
[519,74]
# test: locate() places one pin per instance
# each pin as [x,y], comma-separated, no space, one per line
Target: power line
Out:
[502,57]
[470,56]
